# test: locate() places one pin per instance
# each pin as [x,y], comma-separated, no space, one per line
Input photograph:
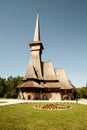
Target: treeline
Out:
[8,88]
[78,93]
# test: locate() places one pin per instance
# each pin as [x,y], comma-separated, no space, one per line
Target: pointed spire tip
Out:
[37,29]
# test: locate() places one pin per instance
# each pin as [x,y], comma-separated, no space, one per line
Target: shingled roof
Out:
[48,72]
[30,74]
[52,78]
[63,78]
[31,84]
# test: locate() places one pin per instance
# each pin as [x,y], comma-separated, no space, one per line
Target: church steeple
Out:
[37,29]
[37,41]
[34,70]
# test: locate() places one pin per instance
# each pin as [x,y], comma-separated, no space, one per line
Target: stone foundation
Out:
[39,96]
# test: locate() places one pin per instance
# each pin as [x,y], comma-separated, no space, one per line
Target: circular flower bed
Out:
[52,106]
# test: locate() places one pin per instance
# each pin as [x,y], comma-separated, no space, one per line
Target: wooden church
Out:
[42,81]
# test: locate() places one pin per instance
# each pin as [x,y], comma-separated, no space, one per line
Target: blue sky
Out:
[63,26]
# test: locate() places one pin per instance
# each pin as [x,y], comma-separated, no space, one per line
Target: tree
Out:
[3,87]
[75,94]
[12,83]
[82,92]
[8,88]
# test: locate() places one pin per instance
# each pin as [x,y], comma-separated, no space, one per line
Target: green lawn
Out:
[25,117]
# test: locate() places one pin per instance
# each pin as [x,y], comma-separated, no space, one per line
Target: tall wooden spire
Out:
[34,70]
[37,29]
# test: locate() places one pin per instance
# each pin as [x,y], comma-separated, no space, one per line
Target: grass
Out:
[24,117]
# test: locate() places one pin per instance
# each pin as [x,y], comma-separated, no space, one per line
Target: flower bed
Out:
[53,106]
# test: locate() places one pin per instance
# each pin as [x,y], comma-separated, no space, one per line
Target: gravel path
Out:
[4,102]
